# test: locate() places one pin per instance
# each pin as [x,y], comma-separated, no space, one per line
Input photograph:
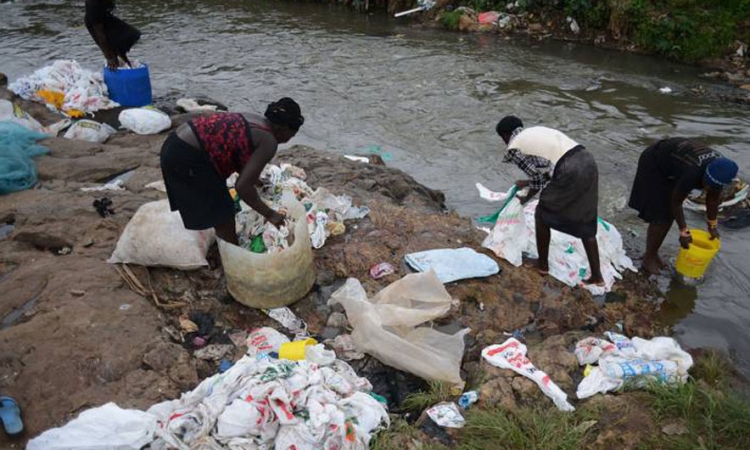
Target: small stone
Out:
[187,325]
[77,292]
[88,242]
[174,334]
[745,87]
[675,429]
[199,342]
[536,27]
[337,320]
[65,251]
[329,333]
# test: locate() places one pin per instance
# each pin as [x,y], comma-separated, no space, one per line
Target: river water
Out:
[430,99]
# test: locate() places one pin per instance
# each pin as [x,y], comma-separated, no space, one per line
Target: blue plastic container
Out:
[129,87]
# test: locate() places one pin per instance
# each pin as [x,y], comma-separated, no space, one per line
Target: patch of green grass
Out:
[401,436]
[712,368]
[715,418]
[419,401]
[450,19]
[525,428]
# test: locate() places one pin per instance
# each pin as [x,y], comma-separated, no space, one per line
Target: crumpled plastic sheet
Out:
[325,212]
[511,354]
[514,234]
[259,404]
[453,264]
[621,359]
[84,89]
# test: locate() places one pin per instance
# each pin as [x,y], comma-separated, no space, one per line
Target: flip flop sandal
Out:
[10,416]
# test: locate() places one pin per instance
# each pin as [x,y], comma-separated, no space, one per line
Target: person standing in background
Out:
[114,37]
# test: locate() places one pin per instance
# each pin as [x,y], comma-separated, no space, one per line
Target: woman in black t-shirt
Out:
[667,171]
[113,36]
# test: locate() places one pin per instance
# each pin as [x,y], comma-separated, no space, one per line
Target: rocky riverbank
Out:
[76,334]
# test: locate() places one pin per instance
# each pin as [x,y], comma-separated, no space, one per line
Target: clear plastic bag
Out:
[272,280]
[386,326]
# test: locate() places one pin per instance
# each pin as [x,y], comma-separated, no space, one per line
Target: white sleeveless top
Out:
[545,142]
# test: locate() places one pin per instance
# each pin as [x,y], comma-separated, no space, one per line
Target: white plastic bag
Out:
[511,355]
[660,358]
[104,428]
[89,130]
[453,264]
[509,235]
[156,236]
[145,120]
[386,326]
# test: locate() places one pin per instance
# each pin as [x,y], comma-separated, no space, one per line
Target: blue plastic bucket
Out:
[129,87]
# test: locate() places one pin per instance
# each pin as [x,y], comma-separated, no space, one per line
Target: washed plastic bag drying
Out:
[145,120]
[156,236]
[453,264]
[272,280]
[89,130]
[104,428]
[386,326]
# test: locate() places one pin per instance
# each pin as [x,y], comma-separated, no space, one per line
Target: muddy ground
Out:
[75,335]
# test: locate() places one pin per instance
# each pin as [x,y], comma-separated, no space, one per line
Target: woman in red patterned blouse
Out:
[200,155]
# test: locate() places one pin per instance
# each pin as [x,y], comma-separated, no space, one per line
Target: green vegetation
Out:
[450,19]
[713,418]
[527,428]
[709,412]
[419,401]
[686,30]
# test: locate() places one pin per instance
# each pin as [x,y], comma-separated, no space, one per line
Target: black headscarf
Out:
[508,125]
[285,112]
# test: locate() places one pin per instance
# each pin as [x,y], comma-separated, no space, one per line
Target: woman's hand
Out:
[276,219]
[714,232]
[685,238]
[113,63]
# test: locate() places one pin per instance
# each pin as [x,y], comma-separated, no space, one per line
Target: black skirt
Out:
[194,187]
[569,202]
[652,190]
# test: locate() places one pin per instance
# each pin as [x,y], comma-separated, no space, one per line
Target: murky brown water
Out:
[429,98]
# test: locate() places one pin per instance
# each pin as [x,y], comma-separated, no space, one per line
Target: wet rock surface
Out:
[75,335]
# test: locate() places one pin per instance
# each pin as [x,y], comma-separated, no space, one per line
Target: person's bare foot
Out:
[653,266]
[534,264]
[591,281]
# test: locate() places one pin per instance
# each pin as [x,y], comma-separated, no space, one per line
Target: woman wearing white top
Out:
[569,202]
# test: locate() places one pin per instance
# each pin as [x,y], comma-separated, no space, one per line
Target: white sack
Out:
[156,236]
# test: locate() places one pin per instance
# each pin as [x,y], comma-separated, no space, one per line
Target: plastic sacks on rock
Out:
[89,130]
[105,427]
[156,236]
[145,121]
[511,355]
[515,234]
[18,146]
[621,359]
[387,326]
[256,404]
[453,264]
[11,112]
[82,89]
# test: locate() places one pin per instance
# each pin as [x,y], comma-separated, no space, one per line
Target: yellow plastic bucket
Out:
[295,351]
[694,261]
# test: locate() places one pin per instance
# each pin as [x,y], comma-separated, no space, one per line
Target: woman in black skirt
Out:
[569,202]
[667,171]
[200,155]
[114,37]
